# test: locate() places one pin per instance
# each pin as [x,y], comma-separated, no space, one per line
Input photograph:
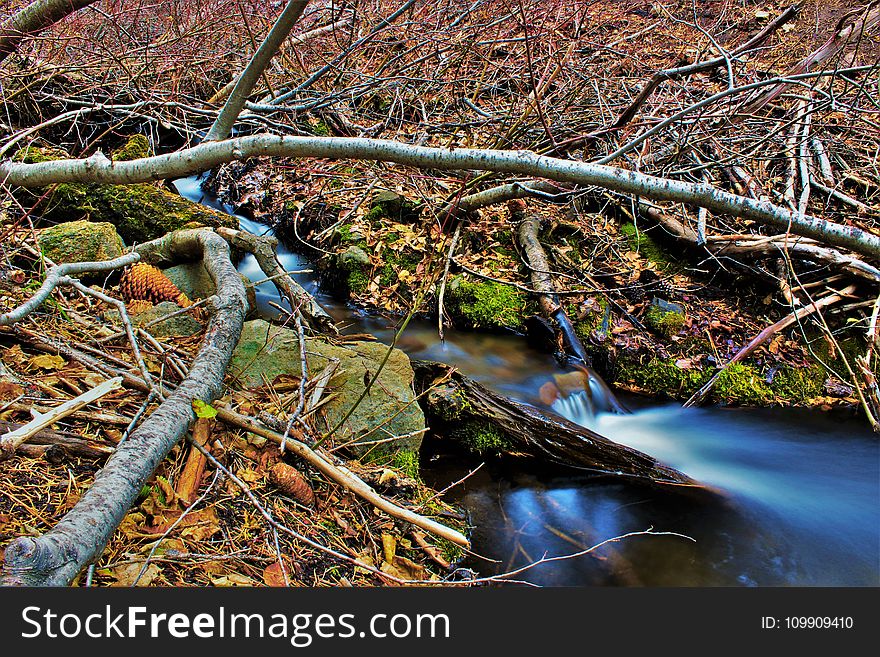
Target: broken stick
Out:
[12,439]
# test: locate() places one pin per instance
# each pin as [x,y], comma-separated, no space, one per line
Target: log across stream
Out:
[802,488]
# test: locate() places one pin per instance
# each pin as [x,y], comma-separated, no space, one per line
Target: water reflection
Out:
[799,505]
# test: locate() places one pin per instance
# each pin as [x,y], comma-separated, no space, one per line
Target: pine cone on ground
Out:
[147,283]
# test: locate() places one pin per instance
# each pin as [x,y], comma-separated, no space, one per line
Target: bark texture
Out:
[457,401]
[99,168]
[57,557]
[33,18]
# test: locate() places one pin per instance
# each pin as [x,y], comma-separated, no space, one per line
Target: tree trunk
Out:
[33,18]
[211,154]
[261,58]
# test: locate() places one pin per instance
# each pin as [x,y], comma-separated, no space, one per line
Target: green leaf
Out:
[203,409]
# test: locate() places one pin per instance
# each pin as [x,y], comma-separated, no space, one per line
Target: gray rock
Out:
[193,280]
[389,410]
[182,325]
[353,257]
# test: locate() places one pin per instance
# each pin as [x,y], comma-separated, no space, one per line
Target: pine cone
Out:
[664,289]
[148,283]
[291,481]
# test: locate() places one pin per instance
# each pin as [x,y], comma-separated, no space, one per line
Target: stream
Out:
[795,497]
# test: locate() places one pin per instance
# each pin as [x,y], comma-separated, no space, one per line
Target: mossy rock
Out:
[388,411]
[485,305]
[135,148]
[391,205]
[348,234]
[345,274]
[141,212]
[80,241]
[665,318]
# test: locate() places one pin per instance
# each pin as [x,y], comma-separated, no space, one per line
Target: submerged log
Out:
[455,405]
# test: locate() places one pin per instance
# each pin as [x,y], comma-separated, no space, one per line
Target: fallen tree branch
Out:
[55,558]
[47,438]
[98,168]
[10,441]
[701,67]
[343,476]
[451,405]
[33,18]
[259,60]
[765,335]
[263,249]
[55,276]
[855,24]
[527,229]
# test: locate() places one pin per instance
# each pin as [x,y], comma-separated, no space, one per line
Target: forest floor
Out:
[655,316]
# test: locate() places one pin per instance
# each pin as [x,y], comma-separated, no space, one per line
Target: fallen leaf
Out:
[203,409]
[404,568]
[249,475]
[10,390]
[127,574]
[47,362]
[389,545]
[233,579]
[274,576]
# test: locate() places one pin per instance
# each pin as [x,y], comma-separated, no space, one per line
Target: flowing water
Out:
[795,496]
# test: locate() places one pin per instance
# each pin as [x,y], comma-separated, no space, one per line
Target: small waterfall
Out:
[577,407]
[581,396]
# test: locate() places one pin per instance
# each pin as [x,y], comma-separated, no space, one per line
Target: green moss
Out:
[407,462]
[642,243]
[591,321]
[665,322]
[140,212]
[357,281]
[481,437]
[35,155]
[798,384]
[742,384]
[345,234]
[353,268]
[486,304]
[660,376]
[404,461]
[137,147]
[394,261]
[320,129]
[80,241]
[739,383]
